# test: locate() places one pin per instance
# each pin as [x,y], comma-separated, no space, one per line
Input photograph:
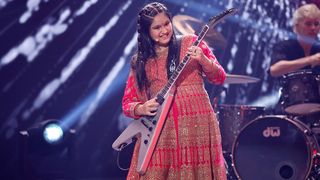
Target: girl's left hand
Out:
[195,53]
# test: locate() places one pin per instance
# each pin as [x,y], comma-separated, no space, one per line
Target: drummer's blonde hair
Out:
[305,11]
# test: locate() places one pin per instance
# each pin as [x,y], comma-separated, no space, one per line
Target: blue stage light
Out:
[53,133]
[47,150]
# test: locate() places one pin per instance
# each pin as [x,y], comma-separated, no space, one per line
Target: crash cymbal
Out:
[240,79]
[189,25]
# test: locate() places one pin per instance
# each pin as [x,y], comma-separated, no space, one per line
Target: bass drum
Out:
[274,147]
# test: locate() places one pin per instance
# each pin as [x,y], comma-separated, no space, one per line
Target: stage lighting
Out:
[47,150]
[53,133]
[48,136]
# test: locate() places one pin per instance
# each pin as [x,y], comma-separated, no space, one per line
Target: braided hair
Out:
[146,45]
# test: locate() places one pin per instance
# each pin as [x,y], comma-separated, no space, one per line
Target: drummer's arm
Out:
[284,66]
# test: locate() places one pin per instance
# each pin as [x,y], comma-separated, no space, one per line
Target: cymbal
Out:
[240,79]
[189,25]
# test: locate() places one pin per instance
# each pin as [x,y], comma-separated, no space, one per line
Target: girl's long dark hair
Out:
[146,45]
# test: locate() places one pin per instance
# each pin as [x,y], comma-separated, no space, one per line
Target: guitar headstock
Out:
[215,19]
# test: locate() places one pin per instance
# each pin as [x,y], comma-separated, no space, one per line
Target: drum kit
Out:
[258,145]
[261,146]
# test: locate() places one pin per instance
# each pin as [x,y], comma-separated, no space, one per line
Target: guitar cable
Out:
[118,159]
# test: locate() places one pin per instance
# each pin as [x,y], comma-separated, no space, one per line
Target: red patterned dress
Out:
[189,146]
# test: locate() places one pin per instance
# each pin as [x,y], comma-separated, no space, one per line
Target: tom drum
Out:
[300,92]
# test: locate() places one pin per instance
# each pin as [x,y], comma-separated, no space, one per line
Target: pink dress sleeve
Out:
[132,97]
[212,69]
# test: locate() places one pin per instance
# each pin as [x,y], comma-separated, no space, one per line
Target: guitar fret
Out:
[166,88]
[175,74]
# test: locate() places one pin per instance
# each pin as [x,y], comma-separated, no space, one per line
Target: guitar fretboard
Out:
[214,20]
[182,65]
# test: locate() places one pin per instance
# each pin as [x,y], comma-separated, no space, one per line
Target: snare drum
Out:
[300,92]
[232,118]
[274,147]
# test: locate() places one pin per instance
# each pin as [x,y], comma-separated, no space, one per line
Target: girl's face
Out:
[161,29]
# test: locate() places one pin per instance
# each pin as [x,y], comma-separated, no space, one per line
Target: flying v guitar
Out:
[148,128]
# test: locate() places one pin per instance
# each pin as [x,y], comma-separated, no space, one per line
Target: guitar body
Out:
[148,129]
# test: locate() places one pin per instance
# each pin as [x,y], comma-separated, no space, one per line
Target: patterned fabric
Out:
[189,146]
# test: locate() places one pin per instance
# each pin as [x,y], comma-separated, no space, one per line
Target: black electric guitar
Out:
[148,128]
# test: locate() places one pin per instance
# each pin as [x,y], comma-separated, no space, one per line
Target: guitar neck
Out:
[212,22]
[161,95]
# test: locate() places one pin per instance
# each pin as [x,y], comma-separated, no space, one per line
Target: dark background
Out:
[69,60]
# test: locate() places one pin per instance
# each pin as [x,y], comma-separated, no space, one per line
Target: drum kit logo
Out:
[271,132]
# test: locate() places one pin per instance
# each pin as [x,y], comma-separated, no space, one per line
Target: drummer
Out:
[302,51]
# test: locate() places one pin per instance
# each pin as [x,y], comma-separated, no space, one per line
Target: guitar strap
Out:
[174,62]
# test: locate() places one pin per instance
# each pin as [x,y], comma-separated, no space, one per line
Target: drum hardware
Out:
[316,124]
[229,166]
[216,93]
[308,132]
[316,130]
[315,171]
[311,120]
